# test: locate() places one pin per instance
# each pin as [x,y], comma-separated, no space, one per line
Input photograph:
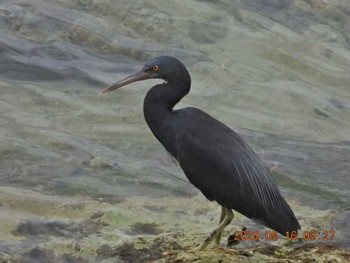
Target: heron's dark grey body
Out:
[214,158]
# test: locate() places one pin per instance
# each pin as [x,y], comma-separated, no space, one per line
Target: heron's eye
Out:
[155,67]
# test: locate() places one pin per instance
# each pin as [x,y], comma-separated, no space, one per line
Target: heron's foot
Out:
[198,248]
[203,246]
[205,243]
[214,236]
[225,219]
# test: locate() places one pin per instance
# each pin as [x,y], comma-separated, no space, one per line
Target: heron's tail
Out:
[281,219]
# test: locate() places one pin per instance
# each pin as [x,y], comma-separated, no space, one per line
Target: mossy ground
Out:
[80,229]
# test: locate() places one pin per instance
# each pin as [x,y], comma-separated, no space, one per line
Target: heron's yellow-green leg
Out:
[218,237]
[216,234]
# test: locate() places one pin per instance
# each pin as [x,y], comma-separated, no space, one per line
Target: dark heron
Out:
[214,158]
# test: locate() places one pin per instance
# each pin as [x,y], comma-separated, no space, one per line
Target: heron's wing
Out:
[225,169]
[230,166]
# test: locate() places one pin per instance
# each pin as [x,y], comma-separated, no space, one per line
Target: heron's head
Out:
[168,68]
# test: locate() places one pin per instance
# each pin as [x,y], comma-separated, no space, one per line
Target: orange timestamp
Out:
[271,235]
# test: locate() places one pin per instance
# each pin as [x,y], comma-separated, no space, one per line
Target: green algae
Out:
[306,68]
[144,229]
[103,234]
[7,150]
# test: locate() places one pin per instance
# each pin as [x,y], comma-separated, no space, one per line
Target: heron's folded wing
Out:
[229,172]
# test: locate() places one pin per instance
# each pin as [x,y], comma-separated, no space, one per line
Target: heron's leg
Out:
[223,211]
[218,237]
[217,231]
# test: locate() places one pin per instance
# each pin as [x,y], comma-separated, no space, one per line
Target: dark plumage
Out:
[214,158]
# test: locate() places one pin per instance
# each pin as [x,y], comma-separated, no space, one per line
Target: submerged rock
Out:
[40,227]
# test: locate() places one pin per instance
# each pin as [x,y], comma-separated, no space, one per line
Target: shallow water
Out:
[275,71]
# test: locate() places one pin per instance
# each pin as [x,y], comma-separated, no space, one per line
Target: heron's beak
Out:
[140,75]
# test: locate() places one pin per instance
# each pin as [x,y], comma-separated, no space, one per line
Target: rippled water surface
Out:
[275,71]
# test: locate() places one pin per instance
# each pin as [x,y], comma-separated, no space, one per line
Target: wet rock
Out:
[67,258]
[128,253]
[154,208]
[96,215]
[98,163]
[37,255]
[105,251]
[279,253]
[41,255]
[150,251]
[321,113]
[317,4]
[37,227]
[201,211]
[143,228]
[248,253]
[337,103]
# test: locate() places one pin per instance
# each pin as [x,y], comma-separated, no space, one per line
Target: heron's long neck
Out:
[158,110]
